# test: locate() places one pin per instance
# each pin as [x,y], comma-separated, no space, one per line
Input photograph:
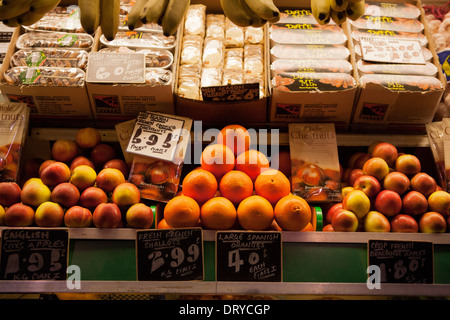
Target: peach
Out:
[432,222]
[353,175]
[414,203]
[439,201]
[354,157]
[396,181]
[66,194]
[19,215]
[107,215]
[376,222]
[118,164]
[9,193]
[108,179]
[102,153]
[78,161]
[64,150]
[368,184]
[332,210]
[83,177]
[357,202]
[139,216]
[404,223]
[388,202]
[78,217]
[34,192]
[376,167]
[361,160]
[372,146]
[126,194]
[424,183]
[91,197]
[344,221]
[55,173]
[386,151]
[87,138]
[44,164]
[408,164]
[49,214]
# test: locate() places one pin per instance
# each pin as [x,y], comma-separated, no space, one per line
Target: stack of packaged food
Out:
[306,56]
[216,52]
[410,65]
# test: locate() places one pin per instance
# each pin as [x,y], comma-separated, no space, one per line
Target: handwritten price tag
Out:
[116,67]
[391,50]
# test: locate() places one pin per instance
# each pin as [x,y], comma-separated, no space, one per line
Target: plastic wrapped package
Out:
[234,58]
[213,53]
[215,26]
[189,87]
[387,23]
[359,33]
[252,78]
[154,58]
[311,65]
[427,54]
[254,59]
[399,10]
[253,35]
[403,82]
[310,81]
[158,77]
[234,35]
[68,21]
[211,77]
[45,76]
[232,76]
[310,51]
[427,69]
[54,40]
[51,57]
[191,50]
[189,70]
[135,39]
[148,27]
[282,33]
[194,23]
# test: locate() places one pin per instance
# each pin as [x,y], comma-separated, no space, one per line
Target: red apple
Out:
[408,164]
[81,160]
[19,215]
[439,201]
[107,215]
[404,223]
[432,222]
[102,153]
[361,160]
[332,210]
[386,151]
[353,175]
[376,167]
[396,181]
[424,183]
[91,197]
[66,194]
[388,202]
[357,202]
[118,164]
[376,222]
[108,179]
[139,216]
[414,203]
[9,193]
[49,214]
[368,184]
[55,173]
[78,217]
[344,221]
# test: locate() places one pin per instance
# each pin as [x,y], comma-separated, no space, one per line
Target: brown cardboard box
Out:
[394,107]
[45,101]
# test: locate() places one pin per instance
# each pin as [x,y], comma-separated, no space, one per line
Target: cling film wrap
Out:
[51,57]
[310,51]
[307,81]
[303,33]
[388,23]
[359,33]
[154,58]
[139,39]
[427,69]
[60,19]
[55,40]
[311,65]
[399,10]
[427,54]
[401,83]
[45,76]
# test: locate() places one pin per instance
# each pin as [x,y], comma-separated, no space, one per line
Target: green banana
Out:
[257,20]
[12,22]
[321,10]
[134,20]
[89,15]
[338,5]
[266,9]
[29,18]
[14,8]
[338,16]
[355,10]
[153,11]
[43,6]
[109,18]
[174,14]
[236,13]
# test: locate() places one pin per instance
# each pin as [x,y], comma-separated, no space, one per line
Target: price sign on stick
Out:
[402,261]
[169,254]
[116,67]
[248,256]
[34,254]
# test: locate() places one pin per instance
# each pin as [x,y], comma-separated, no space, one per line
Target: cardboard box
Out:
[377,104]
[45,101]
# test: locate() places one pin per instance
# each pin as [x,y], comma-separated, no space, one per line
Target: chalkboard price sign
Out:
[231,93]
[169,254]
[402,261]
[34,254]
[248,256]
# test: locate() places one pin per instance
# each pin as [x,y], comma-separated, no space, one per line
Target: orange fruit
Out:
[235,137]
[255,213]
[163,224]
[182,212]
[273,185]
[236,186]
[217,159]
[309,227]
[218,213]
[292,213]
[252,162]
[199,184]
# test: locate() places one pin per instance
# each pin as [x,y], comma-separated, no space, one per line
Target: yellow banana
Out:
[355,10]
[174,14]
[109,18]
[43,6]
[236,13]
[266,9]
[321,10]
[338,16]
[257,20]
[134,20]
[338,5]
[89,15]
[153,11]
[14,8]
[29,18]
[12,22]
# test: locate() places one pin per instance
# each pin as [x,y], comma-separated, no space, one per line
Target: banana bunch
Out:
[253,13]
[100,13]
[337,10]
[166,13]
[15,13]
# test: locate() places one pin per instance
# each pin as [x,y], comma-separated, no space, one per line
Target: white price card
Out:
[389,50]
[116,67]
[156,135]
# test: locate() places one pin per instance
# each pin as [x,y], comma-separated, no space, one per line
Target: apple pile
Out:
[82,185]
[386,191]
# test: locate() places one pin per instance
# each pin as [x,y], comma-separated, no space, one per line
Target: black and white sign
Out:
[116,67]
